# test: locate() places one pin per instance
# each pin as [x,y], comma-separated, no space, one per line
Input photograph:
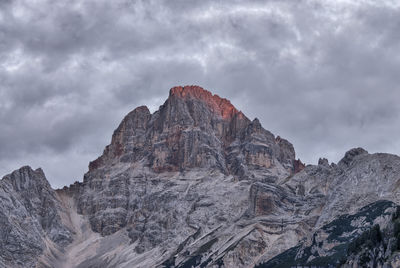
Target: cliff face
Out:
[30,219]
[195,129]
[180,166]
[195,184]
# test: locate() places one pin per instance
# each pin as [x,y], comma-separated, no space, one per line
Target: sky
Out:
[323,74]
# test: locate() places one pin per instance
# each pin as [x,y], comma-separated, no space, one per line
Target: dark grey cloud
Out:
[323,74]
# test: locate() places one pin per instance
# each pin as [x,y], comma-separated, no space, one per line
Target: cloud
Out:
[323,75]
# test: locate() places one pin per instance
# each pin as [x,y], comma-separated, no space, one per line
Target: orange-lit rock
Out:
[195,128]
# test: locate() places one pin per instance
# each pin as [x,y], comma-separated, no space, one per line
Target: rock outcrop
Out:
[363,239]
[195,129]
[30,220]
[195,184]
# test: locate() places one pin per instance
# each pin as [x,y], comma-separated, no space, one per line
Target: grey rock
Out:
[195,129]
[330,246]
[351,155]
[323,162]
[195,184]
[30,217]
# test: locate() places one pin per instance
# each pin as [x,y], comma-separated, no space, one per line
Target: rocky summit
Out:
[198,184]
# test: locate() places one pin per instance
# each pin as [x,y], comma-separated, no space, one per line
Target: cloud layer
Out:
[323,74]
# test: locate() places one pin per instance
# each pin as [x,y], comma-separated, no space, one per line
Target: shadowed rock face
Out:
[195,184]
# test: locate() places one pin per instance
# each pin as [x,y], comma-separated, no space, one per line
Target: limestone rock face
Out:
[128,141]
[194,184]
[195,129]
[29,218]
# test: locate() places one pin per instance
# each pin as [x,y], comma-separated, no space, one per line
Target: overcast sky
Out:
[323,74]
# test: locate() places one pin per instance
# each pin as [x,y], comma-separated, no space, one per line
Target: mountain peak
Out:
[193,186]
[25,178]
[189,90]
[219,105]
[196,129]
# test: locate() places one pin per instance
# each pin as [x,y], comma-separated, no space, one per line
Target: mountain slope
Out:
[191,164]
[331,244]
[30,220]
[196,184]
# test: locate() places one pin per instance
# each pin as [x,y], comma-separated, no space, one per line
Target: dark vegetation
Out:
[373,241]
[396,227]
[368,239]
[368,246]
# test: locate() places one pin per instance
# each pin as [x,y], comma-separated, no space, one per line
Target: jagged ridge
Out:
[194,128]
[194,184]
